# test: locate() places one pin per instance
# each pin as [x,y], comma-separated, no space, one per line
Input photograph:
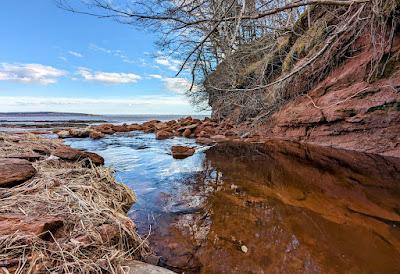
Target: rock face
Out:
[11,223]
[15,171]
[345,107]
[182,152]
[345,111]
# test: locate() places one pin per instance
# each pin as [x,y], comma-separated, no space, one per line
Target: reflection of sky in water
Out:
[146,165]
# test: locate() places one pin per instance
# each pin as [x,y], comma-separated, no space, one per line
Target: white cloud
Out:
[177,85]
[114,52]
[76,54]
[155,76]
[109,77]
[168,62]
[30,73]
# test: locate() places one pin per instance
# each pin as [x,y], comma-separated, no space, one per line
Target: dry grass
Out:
[96,236]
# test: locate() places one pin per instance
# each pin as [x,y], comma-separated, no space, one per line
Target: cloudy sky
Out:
[53,60]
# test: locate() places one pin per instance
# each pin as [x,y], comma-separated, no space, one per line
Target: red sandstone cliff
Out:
[334,101]
[346,111]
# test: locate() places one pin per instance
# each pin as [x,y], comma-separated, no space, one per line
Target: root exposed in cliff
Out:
[71,219]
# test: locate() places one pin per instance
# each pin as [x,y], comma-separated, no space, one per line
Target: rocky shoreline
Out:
[208,132]
[62,211]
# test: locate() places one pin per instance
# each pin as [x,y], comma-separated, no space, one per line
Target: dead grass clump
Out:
[96,236]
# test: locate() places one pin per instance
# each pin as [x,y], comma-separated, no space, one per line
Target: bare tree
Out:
[205,33]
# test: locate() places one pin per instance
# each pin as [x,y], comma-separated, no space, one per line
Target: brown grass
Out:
[96,236]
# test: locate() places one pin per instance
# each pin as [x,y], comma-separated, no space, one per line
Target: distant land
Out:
[3,114]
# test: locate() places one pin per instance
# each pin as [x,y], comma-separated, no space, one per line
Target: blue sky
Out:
[54,60]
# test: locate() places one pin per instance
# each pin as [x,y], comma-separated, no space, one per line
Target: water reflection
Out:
[296,208]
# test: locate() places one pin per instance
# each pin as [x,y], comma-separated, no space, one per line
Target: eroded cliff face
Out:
[333,102]
[346,111]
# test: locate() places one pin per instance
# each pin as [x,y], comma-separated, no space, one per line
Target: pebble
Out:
[244,248]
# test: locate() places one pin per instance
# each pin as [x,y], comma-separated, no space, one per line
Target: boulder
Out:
[163,134]
[105,129]
[187,133]
[193,126]
[182,152]
[151,123]
[94,134]
[171,123]
[121,128]
[41,149]
[95,158]
[160,125]
[79,132]
[63,134]
[11,223]
[68,153]
[135,127]
[15,171]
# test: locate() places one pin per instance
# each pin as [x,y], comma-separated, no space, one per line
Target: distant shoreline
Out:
[50,113]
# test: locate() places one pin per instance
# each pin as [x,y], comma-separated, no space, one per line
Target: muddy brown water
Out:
[295,208]
[278,207]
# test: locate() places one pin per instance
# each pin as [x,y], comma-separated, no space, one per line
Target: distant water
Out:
[33,121]
[65,117]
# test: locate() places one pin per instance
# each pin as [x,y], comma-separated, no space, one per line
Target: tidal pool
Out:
[278,207]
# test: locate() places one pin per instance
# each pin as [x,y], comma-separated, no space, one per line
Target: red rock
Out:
[163,134]
[43,150]
[160,125]
[15,171]
[30,156]
[187,133]
[193,126]
[171,123]
[204,134]
[182,152]
[151,123]
[205,141]
[11,223]
[135,127]
[79,132]
[68,153]
[105,129]
[94,158]
[219,138]
[71,154]
[94,134]
[63,134]
[121,128]
[230,133]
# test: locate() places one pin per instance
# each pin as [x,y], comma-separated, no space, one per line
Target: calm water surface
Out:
[295,208]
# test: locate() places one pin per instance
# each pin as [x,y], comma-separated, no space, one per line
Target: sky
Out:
[54,60]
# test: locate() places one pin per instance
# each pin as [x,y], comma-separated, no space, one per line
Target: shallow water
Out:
[293,208]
